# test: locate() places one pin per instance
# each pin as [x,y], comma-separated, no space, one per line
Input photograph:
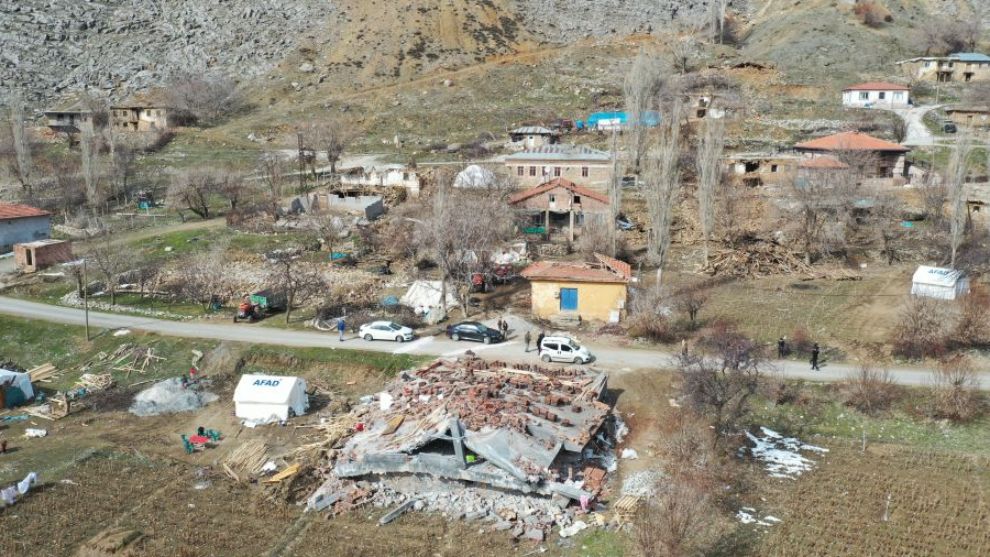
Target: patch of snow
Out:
[569,531]
[630,454]
[122,332]
[745,517]
[781,456]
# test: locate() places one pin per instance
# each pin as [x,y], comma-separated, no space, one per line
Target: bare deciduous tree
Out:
[233,188]
[691,302]
[206,277]
[273,184]
[870,389]
[20,144]
[957,394]
[333,136]
[464,228]
[193,190]
[720,377]
[677,521]
[920,332]
[709,168]
[300,281]
[89,165]
[661,184]
[206,99]
[614,200]
[956,174]
[823,198]
[718,12]
[110,262]
[641,88]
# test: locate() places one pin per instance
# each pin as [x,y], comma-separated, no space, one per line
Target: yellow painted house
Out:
[595,291]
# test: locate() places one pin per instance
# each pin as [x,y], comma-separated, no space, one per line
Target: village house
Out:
[876,94]
[761,169]
[872,157]
[577,163]
[142,113]
[531,137]
[961,66]
[21,224]
[70,116]
[34,256]
[384,176]
[703,105]
[581,291]
[969,116]
[560,204]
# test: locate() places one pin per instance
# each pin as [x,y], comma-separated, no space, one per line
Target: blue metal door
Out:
[568,299]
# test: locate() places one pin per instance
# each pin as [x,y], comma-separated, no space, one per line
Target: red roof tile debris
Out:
[614,271]
[555,183]
[877,86]
[620,267]
[17,211]
[850,141]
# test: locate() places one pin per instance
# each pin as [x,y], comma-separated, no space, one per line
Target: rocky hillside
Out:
[117,46]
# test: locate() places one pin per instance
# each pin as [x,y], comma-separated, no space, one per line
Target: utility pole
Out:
[302,164]
[86,298]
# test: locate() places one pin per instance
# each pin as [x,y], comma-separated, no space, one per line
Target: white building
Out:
[531,137]
[936,282]
[876,94]
[270,398]
[385,176]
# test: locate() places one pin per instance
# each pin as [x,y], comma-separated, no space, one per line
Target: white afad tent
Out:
[270,398]
[936,282]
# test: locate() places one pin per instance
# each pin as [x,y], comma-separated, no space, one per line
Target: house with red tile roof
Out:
[560,205]
[870,156]
[876,94]
[22,223]
[594,290]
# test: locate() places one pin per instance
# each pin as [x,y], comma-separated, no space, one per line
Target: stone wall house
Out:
[560,204]
[142,113]
[971,116]
[961,66]
[595,291]
[876,94]
[21,224]
[532,137]
[870,156]
[385,176]
[761,169]
[70,116]
[34,256]
[576,163]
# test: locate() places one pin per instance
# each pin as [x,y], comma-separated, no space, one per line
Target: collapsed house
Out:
[535,432]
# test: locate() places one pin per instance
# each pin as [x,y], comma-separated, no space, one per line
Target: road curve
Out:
[614,359]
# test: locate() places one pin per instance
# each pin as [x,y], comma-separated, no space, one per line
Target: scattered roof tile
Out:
[573,272]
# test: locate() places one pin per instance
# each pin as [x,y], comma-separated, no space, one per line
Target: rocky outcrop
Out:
[50,46]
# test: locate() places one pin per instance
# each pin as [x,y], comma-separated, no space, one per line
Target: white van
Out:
[563,349]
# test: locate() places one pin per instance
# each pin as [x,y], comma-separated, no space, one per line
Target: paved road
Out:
[615,359]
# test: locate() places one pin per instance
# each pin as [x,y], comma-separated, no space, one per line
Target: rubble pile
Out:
[525,447]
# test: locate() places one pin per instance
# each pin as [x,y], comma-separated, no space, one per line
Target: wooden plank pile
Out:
[129,358]
[95,381]
[246,460]
[756,258]
[43,373]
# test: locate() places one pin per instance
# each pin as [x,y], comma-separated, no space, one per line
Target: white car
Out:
[563,349]
[385,330]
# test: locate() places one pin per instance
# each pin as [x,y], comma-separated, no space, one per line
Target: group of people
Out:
[528,338]
[783,350]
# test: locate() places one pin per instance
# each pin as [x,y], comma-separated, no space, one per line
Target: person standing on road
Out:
[815,352]
[527,339]
[781,347]
[341,327]
[539,341]
[504,328]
